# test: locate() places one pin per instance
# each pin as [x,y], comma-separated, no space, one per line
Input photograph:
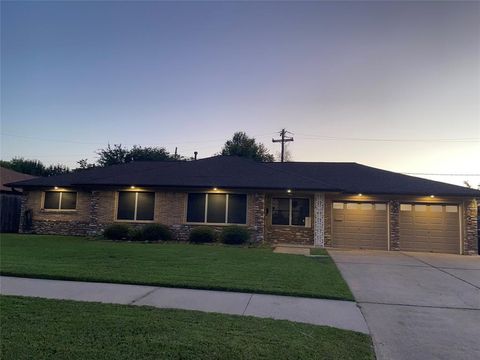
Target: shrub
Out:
[202,235]
[235,235]
[136,234]
[154,232]
[117,232]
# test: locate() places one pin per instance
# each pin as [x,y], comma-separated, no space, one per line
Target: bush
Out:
[136,234]
[202,235]
[117,232]
[155,232]
[235,235]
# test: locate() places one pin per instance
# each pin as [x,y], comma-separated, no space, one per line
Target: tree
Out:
[57,169]
[121,155]
[34,167]
[244,146]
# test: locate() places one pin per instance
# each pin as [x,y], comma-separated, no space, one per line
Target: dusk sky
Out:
[394,85]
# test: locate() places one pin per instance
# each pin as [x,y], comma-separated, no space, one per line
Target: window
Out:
[217,208]
[405,207]
[366,206]
[60,200]
[135,206]
[338,205]
[290,211]
[436,208]
[352,206]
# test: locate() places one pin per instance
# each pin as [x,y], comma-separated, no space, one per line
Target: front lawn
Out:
[53,329]
[176,265]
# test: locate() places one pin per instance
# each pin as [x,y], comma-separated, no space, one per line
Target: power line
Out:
[332,138]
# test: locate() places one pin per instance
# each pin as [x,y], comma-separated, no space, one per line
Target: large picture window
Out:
[60,200]
[217,208]
[135,206]
[290,211]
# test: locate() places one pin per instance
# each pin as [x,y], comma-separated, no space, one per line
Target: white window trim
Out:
[59,209]
[290,211]
[226,223]
[117,196]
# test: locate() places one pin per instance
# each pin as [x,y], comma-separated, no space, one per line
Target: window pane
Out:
[380,206]
[196,208]
[69,200]
[145,205]
[52,200]
[280,211]
[451,208]
[366,206]
[237,209]
[337,205]
[405,207]
[126,205]
[300,210]
[216,208]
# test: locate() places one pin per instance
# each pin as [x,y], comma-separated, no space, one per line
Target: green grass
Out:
[317,251]
[176,265]
[53,329]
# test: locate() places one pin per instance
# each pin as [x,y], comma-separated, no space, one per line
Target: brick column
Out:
[259,218]
[470,236]
[93,227]
[394,215]
[319,220]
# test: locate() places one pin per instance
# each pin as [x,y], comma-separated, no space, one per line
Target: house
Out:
[10,199]
[344,205]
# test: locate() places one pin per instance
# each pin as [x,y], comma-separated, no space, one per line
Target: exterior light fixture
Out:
[56,187]
[132,187]
[289,191]
[360,194]
[215,189]
[432,196]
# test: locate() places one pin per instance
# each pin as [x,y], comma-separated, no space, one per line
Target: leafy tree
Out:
[244,146]
[34,167]
[112,155]
[121,155]
[83,164]
[57,169]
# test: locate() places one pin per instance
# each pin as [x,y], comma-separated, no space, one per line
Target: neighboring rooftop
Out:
[237,172]
[10,176]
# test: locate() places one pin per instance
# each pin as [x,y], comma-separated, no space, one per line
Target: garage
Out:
[430,227]
[360,225]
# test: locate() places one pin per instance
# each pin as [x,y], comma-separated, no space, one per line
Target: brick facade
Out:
[96,210]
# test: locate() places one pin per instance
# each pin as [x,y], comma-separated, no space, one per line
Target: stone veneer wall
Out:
[470,235]
[319,219]
[394,216]
[328,223]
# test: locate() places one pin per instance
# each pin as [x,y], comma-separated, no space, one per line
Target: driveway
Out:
[417,305]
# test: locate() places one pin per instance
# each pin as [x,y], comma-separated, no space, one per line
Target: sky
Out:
[395,85]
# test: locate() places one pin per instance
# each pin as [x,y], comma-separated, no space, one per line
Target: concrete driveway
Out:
[417,305]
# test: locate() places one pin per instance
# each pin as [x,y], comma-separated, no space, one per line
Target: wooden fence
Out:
[10,212]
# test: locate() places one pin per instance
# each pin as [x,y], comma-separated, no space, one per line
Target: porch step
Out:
[292,249]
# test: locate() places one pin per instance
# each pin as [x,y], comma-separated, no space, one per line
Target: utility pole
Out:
[283,140]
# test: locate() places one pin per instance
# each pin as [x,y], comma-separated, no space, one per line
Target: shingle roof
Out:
[236,172]
[8,176]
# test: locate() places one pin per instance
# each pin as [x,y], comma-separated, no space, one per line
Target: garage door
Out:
[360,225]
[433,228]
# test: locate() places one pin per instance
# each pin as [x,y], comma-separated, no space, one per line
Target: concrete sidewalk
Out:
[335,313]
